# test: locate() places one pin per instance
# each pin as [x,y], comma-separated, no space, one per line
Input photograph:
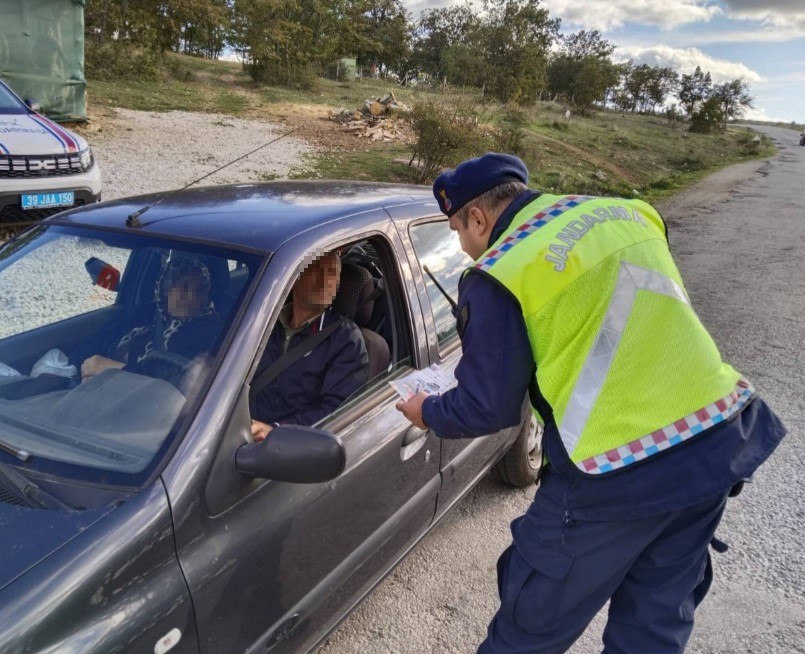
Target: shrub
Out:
[443,137]
[511,137]
[115,60]
[707,117]
[275,73]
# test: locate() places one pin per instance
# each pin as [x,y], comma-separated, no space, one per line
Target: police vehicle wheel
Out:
[520,465]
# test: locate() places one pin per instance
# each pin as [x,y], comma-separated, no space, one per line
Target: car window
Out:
[53,282]
[437,247]
[358,356]
[105,340]
[9,104]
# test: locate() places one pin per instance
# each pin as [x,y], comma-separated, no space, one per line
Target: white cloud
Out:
[685,60]
[606,14]
[761,115]
[788,14]
[231,56]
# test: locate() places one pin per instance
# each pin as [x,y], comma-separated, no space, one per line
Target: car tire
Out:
[520,466]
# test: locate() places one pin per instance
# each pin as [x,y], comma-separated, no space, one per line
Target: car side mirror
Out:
[295,454]
[33,105]
[102,274]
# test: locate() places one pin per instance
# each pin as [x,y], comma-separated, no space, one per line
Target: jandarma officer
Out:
[577,300]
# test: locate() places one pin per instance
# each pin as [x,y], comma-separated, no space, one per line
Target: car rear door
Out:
[272,566]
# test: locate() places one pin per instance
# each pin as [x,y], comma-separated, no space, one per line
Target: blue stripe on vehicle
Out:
[4,149]
[48,128]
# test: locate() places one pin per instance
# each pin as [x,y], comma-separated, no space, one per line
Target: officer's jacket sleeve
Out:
[494,371]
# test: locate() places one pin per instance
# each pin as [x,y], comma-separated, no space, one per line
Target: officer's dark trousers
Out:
[559,573]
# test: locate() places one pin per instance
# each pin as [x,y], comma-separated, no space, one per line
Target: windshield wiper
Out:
[22,455]
[12,479]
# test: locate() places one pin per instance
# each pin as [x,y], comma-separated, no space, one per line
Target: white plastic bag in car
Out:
[8,371]
[54,362]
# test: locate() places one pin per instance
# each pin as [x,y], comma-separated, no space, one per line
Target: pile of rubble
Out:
[373,119]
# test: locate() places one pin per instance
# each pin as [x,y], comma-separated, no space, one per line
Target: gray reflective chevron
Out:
[631,278]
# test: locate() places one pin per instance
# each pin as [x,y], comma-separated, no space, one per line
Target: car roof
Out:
[260,215]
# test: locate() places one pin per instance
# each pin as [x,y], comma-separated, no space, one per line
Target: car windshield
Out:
[9,104]
[105,340]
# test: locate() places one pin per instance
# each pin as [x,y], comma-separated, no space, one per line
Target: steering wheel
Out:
[172,367]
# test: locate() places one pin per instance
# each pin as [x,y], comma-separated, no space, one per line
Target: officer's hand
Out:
[412,409]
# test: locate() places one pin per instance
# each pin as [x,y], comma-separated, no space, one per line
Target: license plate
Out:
[48,200]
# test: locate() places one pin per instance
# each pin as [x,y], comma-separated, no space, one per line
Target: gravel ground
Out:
[739,240]
[145,152]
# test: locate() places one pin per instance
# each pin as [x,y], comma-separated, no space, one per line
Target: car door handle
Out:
[412,442]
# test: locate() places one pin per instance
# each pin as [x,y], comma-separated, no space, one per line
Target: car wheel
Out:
[520,465]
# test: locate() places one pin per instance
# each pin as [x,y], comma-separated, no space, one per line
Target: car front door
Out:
[270,565]
[435,246]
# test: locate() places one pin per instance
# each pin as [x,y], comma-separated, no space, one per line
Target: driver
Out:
[185,321]
[316,384]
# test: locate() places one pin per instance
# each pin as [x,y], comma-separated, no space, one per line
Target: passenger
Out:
[185,320]
[316,384]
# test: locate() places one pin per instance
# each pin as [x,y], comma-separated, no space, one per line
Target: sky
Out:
[762,41]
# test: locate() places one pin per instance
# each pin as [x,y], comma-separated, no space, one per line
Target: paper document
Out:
[433,381]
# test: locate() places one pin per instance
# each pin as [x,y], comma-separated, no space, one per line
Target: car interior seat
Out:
[355,300]
[219,284]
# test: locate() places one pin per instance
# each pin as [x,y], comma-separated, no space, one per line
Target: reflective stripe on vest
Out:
[530,226]
[631,279]
[673,434]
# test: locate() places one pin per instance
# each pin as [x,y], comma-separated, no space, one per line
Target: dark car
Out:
[136,513]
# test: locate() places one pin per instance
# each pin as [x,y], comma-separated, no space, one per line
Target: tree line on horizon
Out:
[511,50]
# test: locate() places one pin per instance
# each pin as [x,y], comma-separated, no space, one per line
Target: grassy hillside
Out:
[609,153]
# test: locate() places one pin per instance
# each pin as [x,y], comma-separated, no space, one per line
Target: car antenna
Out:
[440,287]
[133,219]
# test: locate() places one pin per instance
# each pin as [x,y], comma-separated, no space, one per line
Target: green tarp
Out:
[42,54]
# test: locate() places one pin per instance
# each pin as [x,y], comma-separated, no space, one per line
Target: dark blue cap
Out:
[454,188]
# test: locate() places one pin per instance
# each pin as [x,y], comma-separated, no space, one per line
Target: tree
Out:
[440,30]
[517,37]
[582,72]
[286,41]
[387,34]
[707,116]
[734,98]
[694,90]
[584,44]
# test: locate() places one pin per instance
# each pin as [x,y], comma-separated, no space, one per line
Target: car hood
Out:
[27,536]
[32,134]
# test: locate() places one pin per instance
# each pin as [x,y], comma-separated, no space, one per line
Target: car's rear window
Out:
[106,340]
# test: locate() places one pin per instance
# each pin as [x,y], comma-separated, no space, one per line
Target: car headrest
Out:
[354,290]
[219,274]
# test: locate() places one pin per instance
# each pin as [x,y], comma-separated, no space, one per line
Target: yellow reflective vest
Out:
[622,359]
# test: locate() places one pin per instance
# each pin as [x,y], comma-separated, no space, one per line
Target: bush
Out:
[707,117]
[444,137]
[115,60]
[275,73]
[511,137]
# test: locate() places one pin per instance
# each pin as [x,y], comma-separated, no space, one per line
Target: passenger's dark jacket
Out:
[317,384]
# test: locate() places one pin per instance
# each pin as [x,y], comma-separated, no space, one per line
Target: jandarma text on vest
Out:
[578,227]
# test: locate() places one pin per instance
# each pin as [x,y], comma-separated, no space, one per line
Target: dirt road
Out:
[739,238]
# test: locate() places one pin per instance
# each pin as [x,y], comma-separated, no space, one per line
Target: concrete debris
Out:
[600,175]
[374,120]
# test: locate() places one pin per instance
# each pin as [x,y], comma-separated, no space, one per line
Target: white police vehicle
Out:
[44,168]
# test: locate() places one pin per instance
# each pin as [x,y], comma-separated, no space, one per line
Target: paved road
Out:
[739,239]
